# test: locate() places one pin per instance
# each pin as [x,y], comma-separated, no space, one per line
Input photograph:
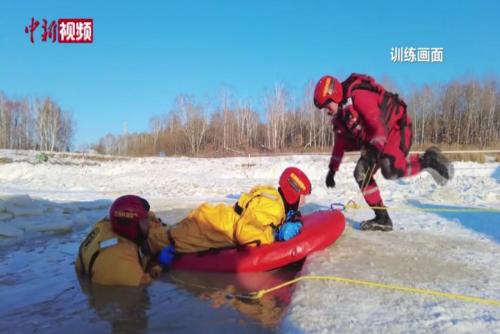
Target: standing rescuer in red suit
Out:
[367,118]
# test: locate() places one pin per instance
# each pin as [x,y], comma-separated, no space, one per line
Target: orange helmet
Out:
[125,214]
[328,89]
[293,183]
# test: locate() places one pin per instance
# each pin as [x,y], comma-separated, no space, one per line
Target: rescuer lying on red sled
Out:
[125,248]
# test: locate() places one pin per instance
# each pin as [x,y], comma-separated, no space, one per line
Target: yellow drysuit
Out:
[106,258]
[209,226]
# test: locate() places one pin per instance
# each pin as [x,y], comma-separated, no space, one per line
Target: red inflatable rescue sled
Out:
[320,230]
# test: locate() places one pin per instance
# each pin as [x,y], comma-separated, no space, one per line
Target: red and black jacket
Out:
[367,113]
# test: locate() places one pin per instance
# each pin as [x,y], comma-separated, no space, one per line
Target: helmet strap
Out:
[141,237]
[288,207]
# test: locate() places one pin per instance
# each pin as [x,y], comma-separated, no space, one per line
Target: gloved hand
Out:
[288,230]
[371,153]
[330,181]
[166,256]
[292,216]
[155,271]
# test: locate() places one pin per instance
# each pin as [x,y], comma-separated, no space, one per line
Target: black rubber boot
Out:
[381,222]
[437,164]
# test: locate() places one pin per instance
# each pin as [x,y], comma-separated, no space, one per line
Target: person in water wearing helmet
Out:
[367,118]
[120,249]
[116,251]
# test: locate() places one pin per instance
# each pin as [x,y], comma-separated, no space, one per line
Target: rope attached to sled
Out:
[259,294]
[352,205]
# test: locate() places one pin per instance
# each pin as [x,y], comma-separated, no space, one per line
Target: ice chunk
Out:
[22,205]
[20,200]
[10,231]
[93,205]
[45,223]
[97,215]
[68,207]
[55,210]
[6,215]
[80,219]
[33,210]
[87,218]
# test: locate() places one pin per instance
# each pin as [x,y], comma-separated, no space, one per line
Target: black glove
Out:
[371,153]
[330,182]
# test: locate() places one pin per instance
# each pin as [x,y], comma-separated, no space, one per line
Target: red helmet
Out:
[328,89]
[294,182]
[125,214]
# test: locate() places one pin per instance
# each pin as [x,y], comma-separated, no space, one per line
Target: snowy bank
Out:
[446,251]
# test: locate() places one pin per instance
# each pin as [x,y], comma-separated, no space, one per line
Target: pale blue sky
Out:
[146,52]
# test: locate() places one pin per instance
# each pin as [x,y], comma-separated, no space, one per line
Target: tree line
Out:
[465,112]
[234,126]
[38,124]
[459,112]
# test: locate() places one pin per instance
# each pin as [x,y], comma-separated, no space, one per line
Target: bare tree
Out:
[225,100]
[248,122]
[275,106]
[194,121]
[156,124]
[54,128]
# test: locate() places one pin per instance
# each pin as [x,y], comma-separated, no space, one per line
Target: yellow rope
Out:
[351,205]
[368,177]
[259,294]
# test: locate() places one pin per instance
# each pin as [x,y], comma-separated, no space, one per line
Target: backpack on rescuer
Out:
[100,238]
[125,215]
[388,102]
[90,248]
